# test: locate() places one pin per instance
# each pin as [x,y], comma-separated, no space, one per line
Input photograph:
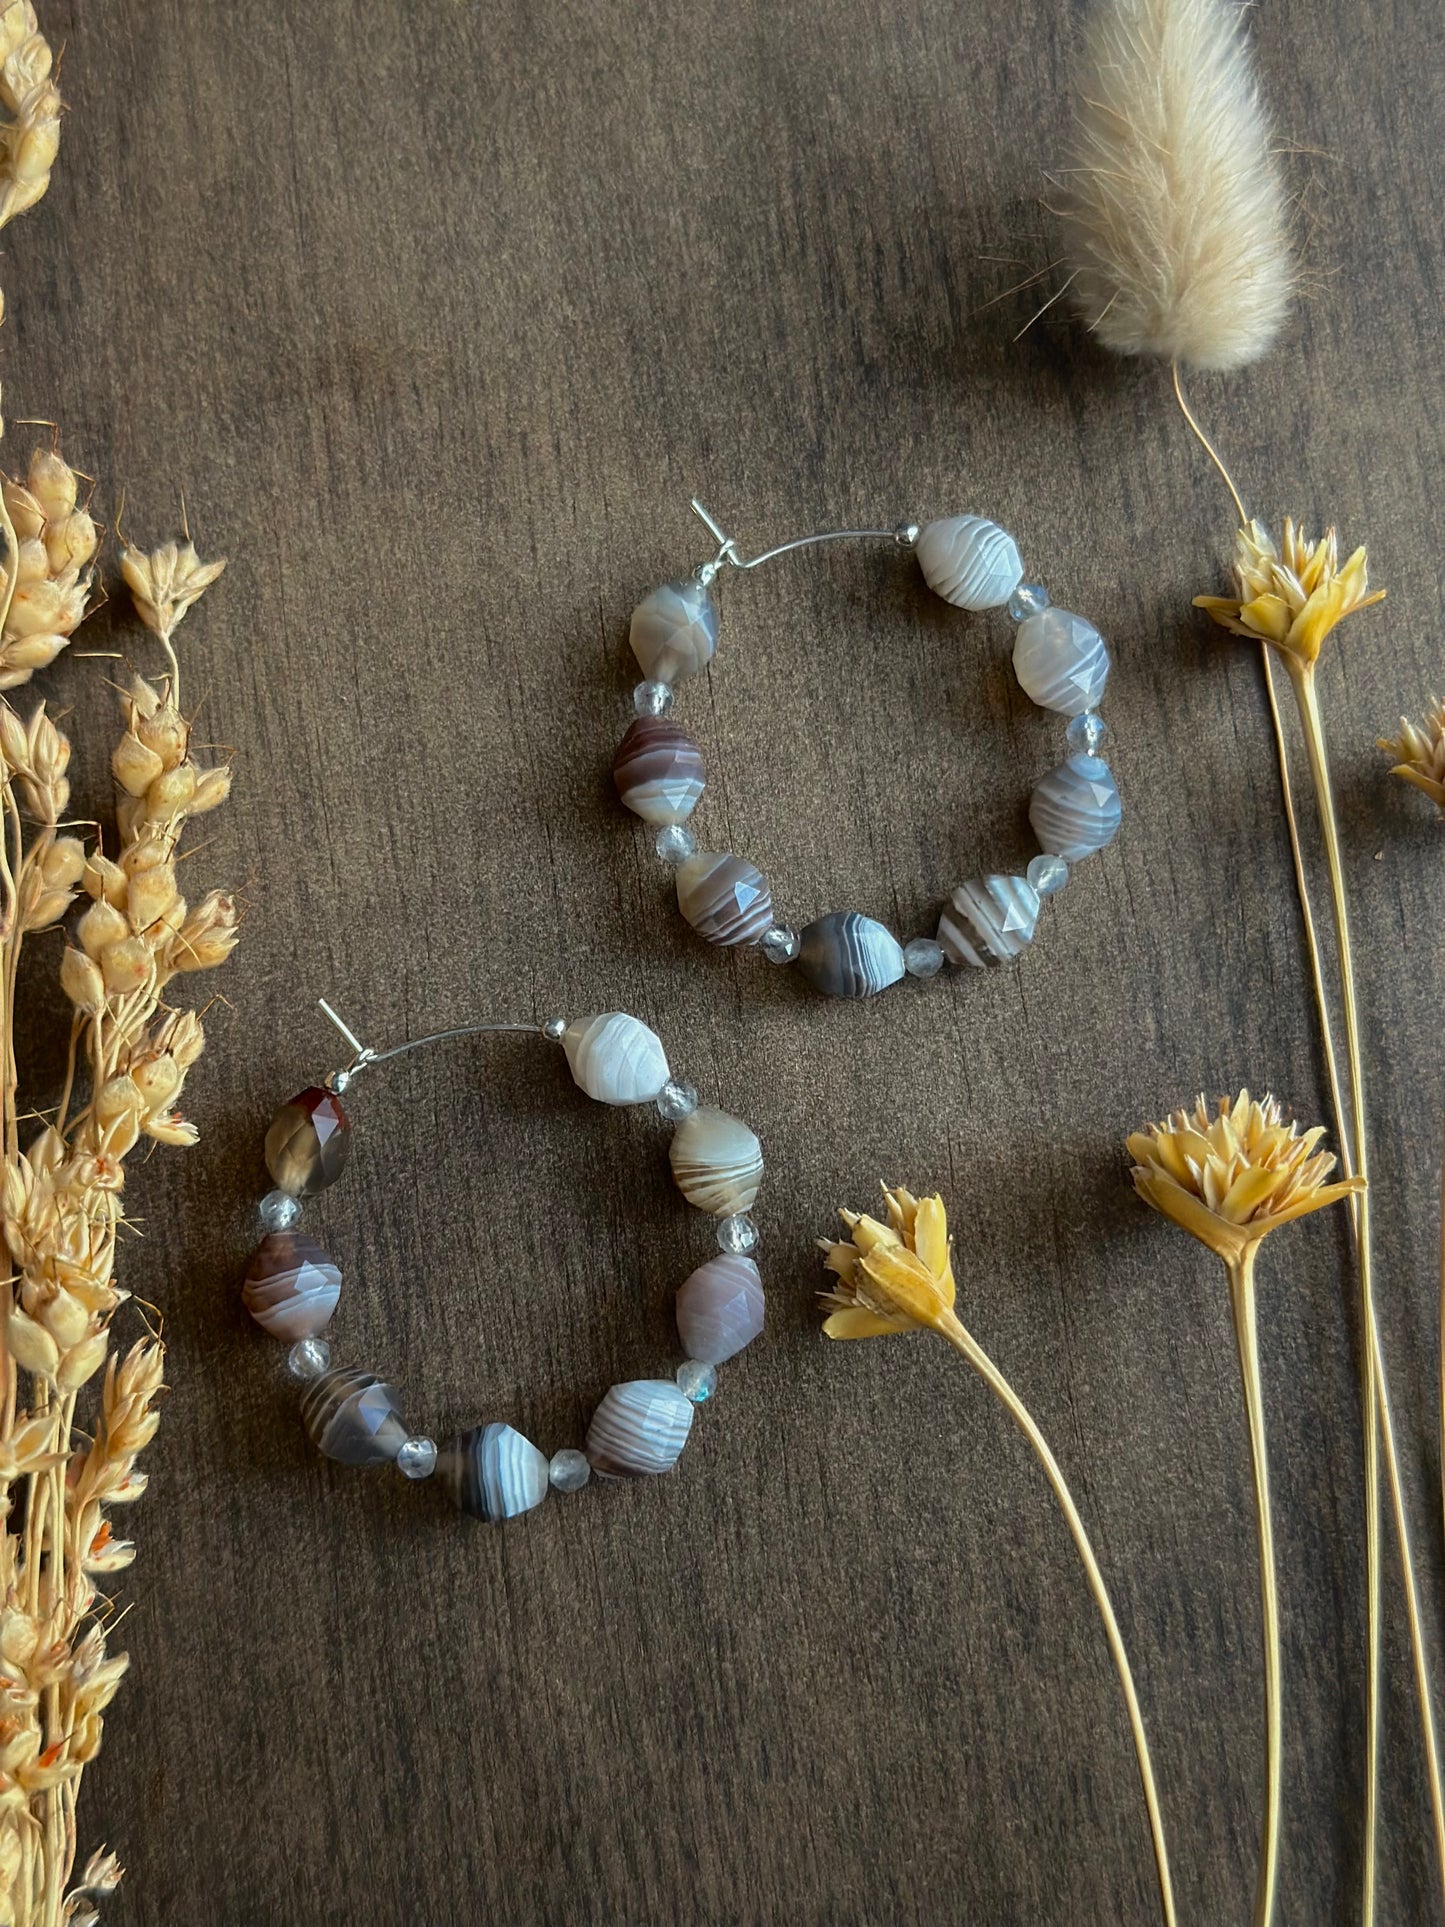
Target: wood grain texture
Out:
[437,316]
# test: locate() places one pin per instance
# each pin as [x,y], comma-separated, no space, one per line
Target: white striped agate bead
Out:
[494,1473]
[1075,809]
[292,1287]
[354,1417]
[989,920]
[639,1429]
[674,631]
[717,1161]
[846,954]
[1060,661]
[970,562]
[615,1058]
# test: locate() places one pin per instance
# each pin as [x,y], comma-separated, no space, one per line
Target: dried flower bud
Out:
[27,517]
[14,743]
[21,656]
[166,582]
[100,927]
[170,795]
[166,732]
[117,1096]
[34,563]
[183,1036]
[82,982]
[71,543]
[53,483]
[135,766]
[213,786]
[66,1319]
[82,1362]
[104,879]
[63,864]
[31,1346]
[39,907]
[169,1127]
[40,607]
[208,935]
[125,966]
[152,892]
[157,1080]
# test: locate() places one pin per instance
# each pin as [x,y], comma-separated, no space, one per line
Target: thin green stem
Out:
[963,1342]
[1246,1332]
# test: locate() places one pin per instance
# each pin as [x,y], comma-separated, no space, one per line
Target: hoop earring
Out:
[492,1472]
[1061,663]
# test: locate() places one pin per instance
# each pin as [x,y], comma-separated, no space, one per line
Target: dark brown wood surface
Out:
[438,315]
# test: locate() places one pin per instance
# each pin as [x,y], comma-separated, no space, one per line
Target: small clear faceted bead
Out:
[1027,600]
[308,1358]
[696,1380]
[1087,732]
[417,1458]
[675,843]
[569,1470]
[923,957]
[652,699]
[1048,874]
[737,1233]
[780,944]
[279,1211]
[676,1100]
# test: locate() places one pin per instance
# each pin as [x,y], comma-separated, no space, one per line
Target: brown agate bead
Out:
[658,770]
[354,1417]
[292,1288]
[308,1143]
[725,898]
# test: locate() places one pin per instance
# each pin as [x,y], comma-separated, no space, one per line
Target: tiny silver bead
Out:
[308,1358]
[338,1082]
[923,957]
[569,1470]
[696,1381]
[738,1234]
[906,535]
[417,1458]
[652,699]
[676,1100]
[1048,874]
[555,1029]
[780,944]
[675,843]
[1028,599]
[279,1211]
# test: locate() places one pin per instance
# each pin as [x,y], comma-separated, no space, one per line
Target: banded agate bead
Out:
[1075,809]
[639,1429]
[292,1287]
[674,631]
[354,1417]
[716,1161]
[658,770]
[1060,661]
[989,920]
[308,1143]
[726,899]
[494,1473]
[720,1309]
[848,955]
[615,1058]
[970,562]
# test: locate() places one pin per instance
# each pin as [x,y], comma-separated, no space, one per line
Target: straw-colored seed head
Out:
[1419,752]
[135,765]
[1291,595]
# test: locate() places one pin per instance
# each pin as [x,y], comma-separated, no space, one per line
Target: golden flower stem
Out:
[1302,677]
[1208,446]
[1246,1332]
[964,1342]
[1442,1343]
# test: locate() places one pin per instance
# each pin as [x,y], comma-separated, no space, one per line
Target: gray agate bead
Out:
[674,631]
[1075,809]
[1061,662]
[658,770]
[720,1309]
[292,1288]
[848,955]
[354,1417]
[639,1429]
[494,1473]
[726,899]
[970,562]
[989,920]
[717,1162]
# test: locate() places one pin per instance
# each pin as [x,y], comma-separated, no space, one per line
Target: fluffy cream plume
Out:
[1174,223]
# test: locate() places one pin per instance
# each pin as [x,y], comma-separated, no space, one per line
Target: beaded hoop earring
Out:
[492,1472]
[1061,663]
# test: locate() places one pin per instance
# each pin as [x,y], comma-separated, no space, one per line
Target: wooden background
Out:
[437,315]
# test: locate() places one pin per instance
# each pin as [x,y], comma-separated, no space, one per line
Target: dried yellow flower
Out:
[1231,1177]
[166,582]
[892,1277]
[1291,596]
[1419,752]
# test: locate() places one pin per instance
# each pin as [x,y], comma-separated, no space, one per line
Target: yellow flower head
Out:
[1419,752]
[1231,1178]
[893,1277]
[1293,595]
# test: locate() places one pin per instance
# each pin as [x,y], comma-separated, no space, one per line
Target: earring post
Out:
[905,534]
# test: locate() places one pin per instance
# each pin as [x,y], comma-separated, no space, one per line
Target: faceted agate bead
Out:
[848,955]
[658,770]
[494,1473]
[674,631]
[354,1417]
[970,562]
[292,1287]
[989,920]
[725,898]
[639,1429]
[1060,661]
[720,1309]
[616,1058]
[1075,810]
[308,1143]
[717,1162]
